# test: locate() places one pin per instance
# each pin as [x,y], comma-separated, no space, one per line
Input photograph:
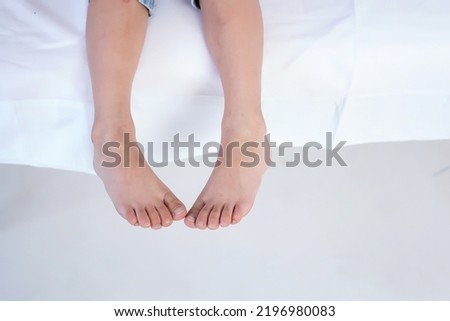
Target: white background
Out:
[376,230]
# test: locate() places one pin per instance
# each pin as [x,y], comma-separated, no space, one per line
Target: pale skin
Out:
[234,34]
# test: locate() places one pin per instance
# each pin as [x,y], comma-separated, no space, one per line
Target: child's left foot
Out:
[231,190]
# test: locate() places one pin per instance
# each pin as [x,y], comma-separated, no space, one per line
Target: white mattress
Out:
[368,70]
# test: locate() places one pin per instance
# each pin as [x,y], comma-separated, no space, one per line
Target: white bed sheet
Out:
[367,70]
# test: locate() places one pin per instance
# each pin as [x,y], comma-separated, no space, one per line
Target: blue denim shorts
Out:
[150,5]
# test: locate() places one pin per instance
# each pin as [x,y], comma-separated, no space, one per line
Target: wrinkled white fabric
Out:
[367,70]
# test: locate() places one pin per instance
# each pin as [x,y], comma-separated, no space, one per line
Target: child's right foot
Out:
[137,193]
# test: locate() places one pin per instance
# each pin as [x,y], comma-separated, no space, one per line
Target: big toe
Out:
[240,210]
[128,213]
[175,206]
[193,213]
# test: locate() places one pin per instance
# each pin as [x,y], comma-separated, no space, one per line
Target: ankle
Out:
[253,121]
[107,130]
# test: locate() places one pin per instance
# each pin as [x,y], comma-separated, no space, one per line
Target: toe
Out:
[142,217]
[154,218]
[225,217]
[165,216]
[191,216]
[128,214]
[176,208]
[240,210]
[214,217]
[202,219]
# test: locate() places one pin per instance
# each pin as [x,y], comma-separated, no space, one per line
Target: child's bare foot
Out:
[231,190]
[137,193]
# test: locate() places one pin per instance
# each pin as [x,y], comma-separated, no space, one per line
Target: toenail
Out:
[191,218]
[234,222]
[157,226]
[178,211]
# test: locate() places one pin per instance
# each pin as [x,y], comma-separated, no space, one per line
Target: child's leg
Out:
[115,36]
[234,33]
